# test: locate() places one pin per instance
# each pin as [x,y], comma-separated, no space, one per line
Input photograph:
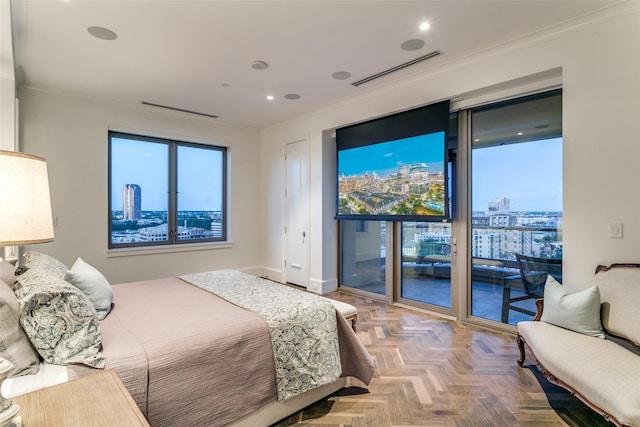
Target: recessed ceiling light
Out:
[292,96]
[520,133]
[424,26]
[341,75]
[102,33]
[413,44]
[259,65]
[270,97]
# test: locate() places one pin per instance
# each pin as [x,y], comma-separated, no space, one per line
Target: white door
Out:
[296,213]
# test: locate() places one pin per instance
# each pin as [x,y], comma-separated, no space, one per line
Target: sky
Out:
[146,164]
[386,157]
[529,174]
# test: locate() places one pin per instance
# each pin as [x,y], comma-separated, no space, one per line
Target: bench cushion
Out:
[348,311]
[605,373]
[619,294]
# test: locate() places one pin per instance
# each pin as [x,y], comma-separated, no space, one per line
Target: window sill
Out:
[150,250]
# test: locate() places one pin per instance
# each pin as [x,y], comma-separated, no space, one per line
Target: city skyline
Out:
[385,158]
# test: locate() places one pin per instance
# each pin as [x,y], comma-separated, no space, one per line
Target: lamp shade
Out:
[25,204]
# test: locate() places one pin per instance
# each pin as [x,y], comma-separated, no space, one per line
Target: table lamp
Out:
[25,204]
[25,218]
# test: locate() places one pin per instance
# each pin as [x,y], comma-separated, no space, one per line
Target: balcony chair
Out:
[533,275]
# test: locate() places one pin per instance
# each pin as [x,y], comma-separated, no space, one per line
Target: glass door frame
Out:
[451,312]
[465,227]
[461,230]
[389,259]
[460,305]
[461,221]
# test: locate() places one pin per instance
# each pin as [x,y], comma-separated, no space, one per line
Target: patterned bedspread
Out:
[303,327]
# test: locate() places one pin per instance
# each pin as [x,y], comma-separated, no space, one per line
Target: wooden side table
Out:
[95,400]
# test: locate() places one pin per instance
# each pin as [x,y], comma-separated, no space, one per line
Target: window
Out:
[165,192]
[505,194]
[516,198]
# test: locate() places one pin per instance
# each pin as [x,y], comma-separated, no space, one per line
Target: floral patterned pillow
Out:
[32,277]
[33,259]
[60,322]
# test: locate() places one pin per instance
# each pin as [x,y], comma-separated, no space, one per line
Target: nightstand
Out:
[95,400]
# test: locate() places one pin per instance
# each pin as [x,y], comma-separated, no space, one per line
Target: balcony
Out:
[429,281]
[426,268]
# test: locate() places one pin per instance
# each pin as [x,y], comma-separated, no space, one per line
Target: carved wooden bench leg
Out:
[520,342]
[353,319]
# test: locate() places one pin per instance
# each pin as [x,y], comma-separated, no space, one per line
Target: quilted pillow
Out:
[32,277]
[61,323]
[578,311]
[93,284]
[14,344]
[33,259]
[7,273]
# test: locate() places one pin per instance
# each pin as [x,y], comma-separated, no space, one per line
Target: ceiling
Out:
[198,55]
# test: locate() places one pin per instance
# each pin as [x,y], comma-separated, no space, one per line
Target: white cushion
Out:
[620,293]
[578,311]
[603,372]
[345,309]
[93,284]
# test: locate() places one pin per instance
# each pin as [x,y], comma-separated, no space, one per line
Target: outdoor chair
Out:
[533,276]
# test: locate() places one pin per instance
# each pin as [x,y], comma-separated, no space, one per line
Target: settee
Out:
[588,342]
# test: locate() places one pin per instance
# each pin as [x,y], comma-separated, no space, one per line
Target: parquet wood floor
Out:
[434,372]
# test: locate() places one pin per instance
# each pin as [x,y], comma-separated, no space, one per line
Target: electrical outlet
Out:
[615,230]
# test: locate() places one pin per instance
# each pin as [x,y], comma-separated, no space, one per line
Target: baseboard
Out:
[315,285]
[265,272]
[322,286]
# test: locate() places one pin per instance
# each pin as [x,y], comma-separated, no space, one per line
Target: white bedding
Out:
[47,375]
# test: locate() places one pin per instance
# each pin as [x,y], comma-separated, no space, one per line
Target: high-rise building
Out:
[131,202]
[499,205]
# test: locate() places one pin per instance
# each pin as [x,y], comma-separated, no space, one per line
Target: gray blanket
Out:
[303,327]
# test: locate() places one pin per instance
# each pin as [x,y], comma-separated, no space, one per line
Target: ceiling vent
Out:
[398,67]
[179,109]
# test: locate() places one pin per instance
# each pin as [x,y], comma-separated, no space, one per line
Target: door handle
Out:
[303,235]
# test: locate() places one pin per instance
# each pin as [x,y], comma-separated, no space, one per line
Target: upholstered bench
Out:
[588,342]
[348,311]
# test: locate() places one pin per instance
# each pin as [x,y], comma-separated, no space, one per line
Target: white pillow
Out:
[93,284]
[578,311]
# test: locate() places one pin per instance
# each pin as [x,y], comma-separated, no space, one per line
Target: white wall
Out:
[71,133]
[600,61]
[7,80]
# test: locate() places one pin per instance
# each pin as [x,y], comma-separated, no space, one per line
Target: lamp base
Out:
[8,409]
[8,416]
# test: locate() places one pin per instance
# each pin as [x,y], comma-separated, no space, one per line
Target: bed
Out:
[189,356]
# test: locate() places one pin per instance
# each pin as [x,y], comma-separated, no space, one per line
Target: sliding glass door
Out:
[516,199]
[363,256]
[505,186]
[426,263]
